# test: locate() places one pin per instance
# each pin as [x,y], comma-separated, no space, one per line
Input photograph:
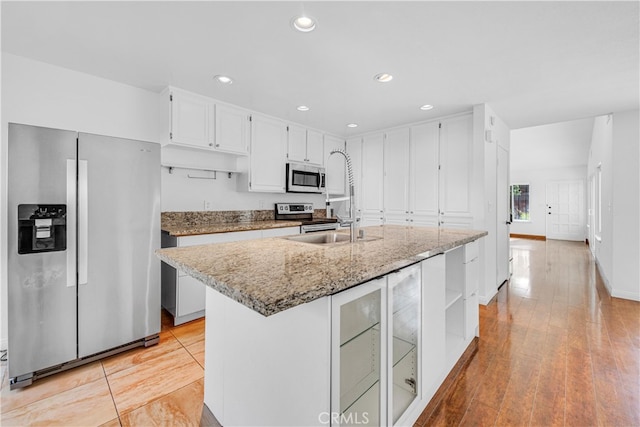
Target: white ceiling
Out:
[557,145]
[533,62]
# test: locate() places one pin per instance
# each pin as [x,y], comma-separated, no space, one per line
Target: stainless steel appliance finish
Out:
[303,178]
[101,290]
[304,213]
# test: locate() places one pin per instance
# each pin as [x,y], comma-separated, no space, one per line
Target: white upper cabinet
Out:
[396,176]
[423,180]
[199,122]
[192,119]
[304,145]
[296,144]
[231,129]
[334,165]
[372,179]
[315,147]
[268,155]
[456,166]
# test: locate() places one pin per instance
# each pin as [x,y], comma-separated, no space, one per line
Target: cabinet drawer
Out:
[471,251]
[191,296]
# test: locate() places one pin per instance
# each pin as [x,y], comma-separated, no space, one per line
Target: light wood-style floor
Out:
[554,349]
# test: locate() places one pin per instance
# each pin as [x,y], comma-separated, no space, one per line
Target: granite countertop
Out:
[192,223]
[275,274]
[182,230]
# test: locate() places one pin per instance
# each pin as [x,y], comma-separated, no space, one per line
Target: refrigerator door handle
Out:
[83,218]
[71,222]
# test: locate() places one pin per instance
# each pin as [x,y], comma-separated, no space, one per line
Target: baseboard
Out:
[527,236]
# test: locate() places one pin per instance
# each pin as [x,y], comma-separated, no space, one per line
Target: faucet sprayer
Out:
[352,220]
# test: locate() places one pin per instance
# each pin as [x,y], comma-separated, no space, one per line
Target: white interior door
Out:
[565,210]
[503,216]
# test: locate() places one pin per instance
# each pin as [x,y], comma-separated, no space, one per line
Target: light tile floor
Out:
[159,385]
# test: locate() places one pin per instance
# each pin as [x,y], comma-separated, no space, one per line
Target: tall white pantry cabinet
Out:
[417,175]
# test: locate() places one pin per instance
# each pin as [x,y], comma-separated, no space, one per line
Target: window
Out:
[520,202]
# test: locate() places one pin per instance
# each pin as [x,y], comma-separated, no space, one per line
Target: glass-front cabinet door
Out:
[358,385]
[403,305]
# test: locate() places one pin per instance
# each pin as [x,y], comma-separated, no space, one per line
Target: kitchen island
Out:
[278,312]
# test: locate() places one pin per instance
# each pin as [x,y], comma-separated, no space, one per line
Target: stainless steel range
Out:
[304,213]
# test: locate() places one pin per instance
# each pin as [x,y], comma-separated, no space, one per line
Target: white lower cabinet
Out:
[182,295]
[376,350]
[396,338]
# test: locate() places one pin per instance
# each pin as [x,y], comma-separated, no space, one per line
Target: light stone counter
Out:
[275,274]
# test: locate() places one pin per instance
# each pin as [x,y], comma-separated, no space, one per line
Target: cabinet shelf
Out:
[361,391]
[451,296]
[401,348]
[172,166]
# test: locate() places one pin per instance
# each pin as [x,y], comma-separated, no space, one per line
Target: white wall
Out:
[537,180]
[626,205]
[615,147]
[484,197]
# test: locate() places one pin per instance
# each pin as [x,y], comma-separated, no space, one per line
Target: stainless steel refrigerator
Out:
[83,225]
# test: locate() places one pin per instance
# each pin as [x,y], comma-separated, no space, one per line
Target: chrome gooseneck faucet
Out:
[352,221]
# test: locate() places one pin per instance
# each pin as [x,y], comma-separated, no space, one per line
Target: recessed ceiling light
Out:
[223,79]
[383,77]
[303,23]
[426,107]
[302,108]
[352,125]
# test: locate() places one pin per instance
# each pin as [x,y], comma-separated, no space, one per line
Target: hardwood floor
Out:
[554,349]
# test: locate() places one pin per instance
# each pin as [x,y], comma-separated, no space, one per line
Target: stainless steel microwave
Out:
[303,178]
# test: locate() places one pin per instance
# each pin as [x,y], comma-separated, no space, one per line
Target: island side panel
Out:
[267,370]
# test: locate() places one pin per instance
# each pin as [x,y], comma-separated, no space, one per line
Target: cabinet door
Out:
[191,296]
[354,149]
[191,119]
[358,353]
[433,322]
[404,342]
[231,129]
[396,177]
[334,165]
[315,147]
[296,143]
[423,181]
[268,155]
[372,174]
[456,160]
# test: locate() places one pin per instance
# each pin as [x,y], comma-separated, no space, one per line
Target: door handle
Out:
[71,222]
[83,225]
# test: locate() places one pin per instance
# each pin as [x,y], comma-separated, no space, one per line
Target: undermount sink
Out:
[320,239]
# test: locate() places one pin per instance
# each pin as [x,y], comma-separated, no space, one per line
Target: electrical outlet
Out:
[207,205]
[260,204]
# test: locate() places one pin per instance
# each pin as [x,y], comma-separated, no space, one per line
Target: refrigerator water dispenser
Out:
[42,228]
